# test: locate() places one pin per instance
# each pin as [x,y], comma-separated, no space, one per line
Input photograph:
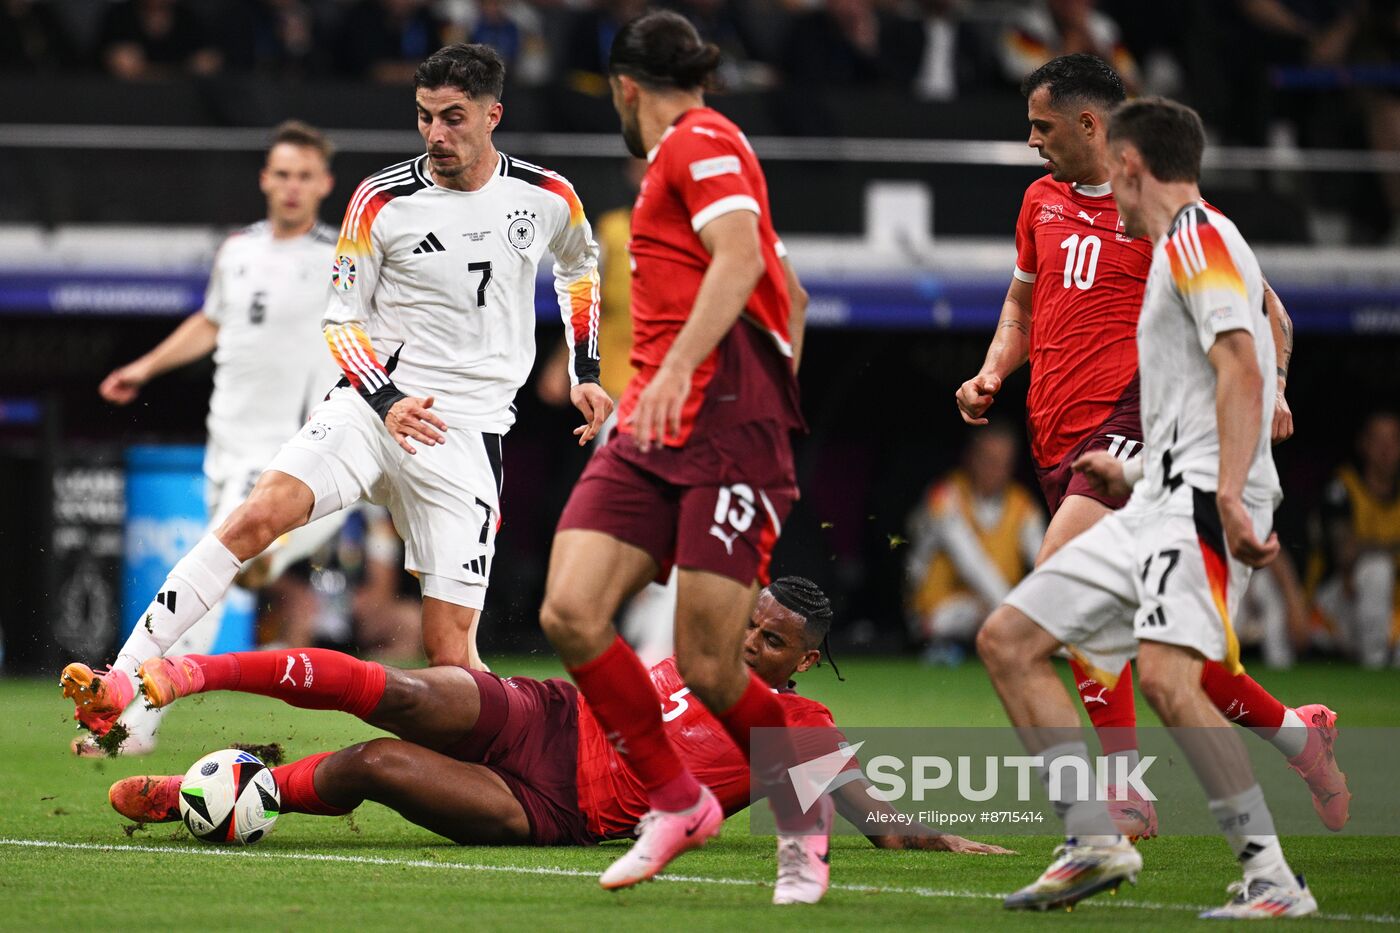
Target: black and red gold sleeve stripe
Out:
[1200,259]
[355,356]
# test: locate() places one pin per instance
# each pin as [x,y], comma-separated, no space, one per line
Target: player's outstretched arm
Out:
[1238,397]
[1282,326]
[856,806]
[1010,348]
[736,265]
[192,340]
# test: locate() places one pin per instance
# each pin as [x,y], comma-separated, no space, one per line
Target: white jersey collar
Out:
[1093,191]
[426,174]
[651,153]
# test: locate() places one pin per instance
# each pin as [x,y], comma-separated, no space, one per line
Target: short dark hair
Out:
[1078,78]
[297,133]
[661,49]
[1169,136]
[476,70]
[805,598]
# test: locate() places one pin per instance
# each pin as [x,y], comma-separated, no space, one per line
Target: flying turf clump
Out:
[111,743]
[270,754]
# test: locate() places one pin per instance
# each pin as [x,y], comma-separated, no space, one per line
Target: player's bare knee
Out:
[573,627]
[998,641]
[252,527]
[447,654]
[1163,691]
[377,762]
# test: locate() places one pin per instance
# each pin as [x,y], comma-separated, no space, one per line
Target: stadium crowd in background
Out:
[1279,73]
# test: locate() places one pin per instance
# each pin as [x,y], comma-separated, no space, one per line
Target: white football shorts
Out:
[1158,571]
[444,500]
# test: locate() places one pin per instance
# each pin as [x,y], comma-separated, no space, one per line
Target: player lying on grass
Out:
[489,760]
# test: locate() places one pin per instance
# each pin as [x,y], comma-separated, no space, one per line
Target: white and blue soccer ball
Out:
[229,797]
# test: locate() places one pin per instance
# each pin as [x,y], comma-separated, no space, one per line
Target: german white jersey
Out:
[270,364]
[1204,282]
[433,289]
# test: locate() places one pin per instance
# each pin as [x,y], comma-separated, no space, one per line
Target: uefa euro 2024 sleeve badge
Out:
[522,229]
[343,273]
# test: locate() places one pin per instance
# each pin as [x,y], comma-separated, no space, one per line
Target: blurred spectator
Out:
[852,43]
[1274,614]
[975,535]
[1050,28]
[273,37]
[1378,44]
[726,24]
[1234,81]
[514,29]
[150,39]
[1361,519]
[32,38]
[954,59]
[384,40]
[347,595]
[589,39]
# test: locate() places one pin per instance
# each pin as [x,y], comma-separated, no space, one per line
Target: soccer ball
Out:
[229,797]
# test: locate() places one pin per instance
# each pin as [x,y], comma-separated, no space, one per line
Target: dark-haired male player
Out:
[432,320]
[486,760]
[1161,577]
[1072,311]
[699,475]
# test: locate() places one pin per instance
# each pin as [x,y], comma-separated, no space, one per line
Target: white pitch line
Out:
[212,852]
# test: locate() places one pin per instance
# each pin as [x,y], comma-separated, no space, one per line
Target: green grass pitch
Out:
[65,859]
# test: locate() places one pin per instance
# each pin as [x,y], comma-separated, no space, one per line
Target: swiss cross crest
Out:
[521,232]
[1050,213]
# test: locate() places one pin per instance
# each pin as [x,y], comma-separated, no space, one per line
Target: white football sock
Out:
[1291,737]
[196,583]
[1249,828]
[143,721]
[1086,818]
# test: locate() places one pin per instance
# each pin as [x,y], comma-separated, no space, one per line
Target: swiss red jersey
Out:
[612,798]
[704,168]
[1088,278]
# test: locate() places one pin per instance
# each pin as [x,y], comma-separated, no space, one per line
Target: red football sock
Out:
[310,678]
[297,784]
[618,690]
[1242,699]
[1111,710]
[759,708]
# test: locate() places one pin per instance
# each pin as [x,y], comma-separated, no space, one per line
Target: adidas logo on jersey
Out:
[430,244]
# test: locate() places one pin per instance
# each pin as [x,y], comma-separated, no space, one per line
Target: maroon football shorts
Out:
[527,734]
[1120,434]
[717,504]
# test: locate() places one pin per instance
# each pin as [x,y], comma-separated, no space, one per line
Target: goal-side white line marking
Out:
[580,873]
